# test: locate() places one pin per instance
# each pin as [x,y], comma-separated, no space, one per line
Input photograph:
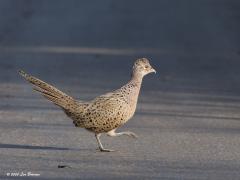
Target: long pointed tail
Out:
[51,93]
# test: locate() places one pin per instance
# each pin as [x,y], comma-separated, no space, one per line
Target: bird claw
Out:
[131,134]
[106,150]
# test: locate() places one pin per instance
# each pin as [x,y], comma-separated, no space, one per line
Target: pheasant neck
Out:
[134,86]
[136,80]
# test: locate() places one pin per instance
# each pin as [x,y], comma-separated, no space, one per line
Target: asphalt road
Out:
[187,120]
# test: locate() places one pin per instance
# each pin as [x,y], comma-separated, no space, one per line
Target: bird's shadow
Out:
[19,146]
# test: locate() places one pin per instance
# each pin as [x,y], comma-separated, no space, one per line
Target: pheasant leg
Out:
[112,133]
[101,148]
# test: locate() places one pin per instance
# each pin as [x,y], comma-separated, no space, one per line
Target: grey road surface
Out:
[188,116]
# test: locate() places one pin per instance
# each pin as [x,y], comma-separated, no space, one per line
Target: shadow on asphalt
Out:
[18,146]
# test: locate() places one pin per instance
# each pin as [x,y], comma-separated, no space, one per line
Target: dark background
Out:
[188,114]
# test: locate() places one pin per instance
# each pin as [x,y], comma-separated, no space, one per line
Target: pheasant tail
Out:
[51,93]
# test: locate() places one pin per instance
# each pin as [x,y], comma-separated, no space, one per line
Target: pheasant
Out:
[105,113]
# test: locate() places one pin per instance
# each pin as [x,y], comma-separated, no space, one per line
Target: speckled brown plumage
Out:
[105,113]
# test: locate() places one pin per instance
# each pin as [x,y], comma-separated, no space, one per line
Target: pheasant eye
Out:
[146,66]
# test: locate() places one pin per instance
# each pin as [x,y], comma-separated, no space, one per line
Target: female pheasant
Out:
[105,113]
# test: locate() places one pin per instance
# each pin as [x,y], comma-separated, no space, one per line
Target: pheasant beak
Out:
[153,70]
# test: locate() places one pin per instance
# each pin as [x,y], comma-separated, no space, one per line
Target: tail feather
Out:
[51,93]
[45,92]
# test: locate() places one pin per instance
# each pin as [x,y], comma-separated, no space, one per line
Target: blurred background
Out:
[87,48]
[194,45]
